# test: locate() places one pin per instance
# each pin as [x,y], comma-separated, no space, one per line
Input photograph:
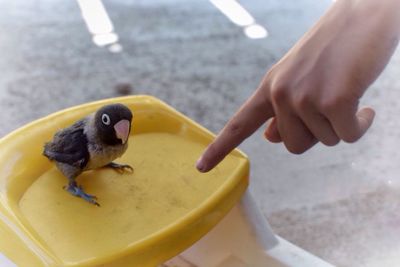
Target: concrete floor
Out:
[339,203]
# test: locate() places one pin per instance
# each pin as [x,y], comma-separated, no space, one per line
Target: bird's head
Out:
[113,123]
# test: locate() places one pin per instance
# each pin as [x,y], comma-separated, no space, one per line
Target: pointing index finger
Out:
[252,114]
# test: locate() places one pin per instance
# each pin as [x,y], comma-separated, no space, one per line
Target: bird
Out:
[90,143]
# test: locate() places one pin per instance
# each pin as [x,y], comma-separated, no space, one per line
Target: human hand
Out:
[311,95]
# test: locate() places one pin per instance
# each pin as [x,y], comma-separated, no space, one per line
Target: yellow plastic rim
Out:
[145,218]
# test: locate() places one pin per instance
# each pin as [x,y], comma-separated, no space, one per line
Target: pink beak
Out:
[122,129]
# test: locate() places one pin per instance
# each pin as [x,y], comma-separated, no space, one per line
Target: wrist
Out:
[381,15]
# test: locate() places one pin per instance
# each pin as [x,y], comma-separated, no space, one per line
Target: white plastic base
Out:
[244,239]
[5,262]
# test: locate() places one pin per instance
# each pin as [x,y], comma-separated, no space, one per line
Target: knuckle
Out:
[329,106]
[280,93]
[351,137]
[302,102]
[332,141]
[332,105]
[296,148]
[235,129]
[301,143]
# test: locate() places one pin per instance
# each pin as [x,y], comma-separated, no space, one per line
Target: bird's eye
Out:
[106,119]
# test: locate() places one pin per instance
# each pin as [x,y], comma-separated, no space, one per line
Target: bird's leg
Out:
[77,191]
[119,167]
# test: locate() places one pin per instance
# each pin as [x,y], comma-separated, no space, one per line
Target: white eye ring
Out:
[105,119]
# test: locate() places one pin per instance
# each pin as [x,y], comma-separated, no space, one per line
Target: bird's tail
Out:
[46,151]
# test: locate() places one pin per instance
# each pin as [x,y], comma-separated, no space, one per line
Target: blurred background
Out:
[205,57]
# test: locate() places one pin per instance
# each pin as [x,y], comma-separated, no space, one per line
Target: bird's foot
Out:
[119,167]
[77,191]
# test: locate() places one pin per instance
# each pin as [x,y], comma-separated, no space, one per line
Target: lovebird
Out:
[90,143]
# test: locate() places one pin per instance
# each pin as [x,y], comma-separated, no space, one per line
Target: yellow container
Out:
[145,218]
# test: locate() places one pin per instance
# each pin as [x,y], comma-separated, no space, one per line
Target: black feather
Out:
[69,146]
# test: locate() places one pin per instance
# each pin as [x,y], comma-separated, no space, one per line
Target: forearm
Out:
[374,26]
[382,15]
[367,31]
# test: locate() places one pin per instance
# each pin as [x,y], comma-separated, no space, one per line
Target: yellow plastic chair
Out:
[146,217]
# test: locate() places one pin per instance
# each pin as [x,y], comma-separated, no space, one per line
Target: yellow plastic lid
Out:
[145,218]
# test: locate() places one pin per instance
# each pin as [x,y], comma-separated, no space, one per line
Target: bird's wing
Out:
[69,146]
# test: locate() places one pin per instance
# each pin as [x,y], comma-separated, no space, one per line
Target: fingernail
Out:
[266,134]
[200,165]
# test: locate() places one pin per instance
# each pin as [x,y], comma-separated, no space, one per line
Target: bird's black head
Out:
[113,123]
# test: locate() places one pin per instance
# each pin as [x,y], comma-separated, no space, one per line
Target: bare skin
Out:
[312,94]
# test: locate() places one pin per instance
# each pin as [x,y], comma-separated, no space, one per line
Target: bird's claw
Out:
[78,192]
[120,167]
[127,167]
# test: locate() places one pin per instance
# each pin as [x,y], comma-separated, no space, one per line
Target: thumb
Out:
[365,117]
[349,127]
